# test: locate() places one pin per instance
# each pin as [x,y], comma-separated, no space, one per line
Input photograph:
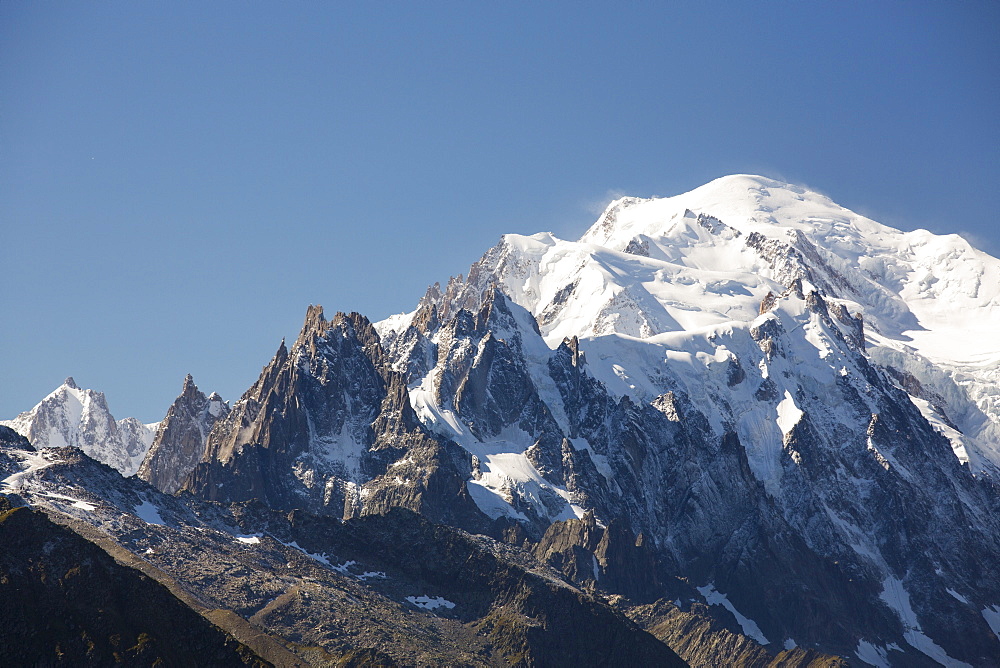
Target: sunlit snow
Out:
[428,603]
[70,416]
[76,503]
[788,414]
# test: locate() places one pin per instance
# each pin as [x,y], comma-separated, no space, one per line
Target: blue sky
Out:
[178,181]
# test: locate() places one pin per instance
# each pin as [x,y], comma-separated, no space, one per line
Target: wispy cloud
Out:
[979,242]
[596,205]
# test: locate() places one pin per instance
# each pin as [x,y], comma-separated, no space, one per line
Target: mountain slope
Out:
[66,602]
[306,589]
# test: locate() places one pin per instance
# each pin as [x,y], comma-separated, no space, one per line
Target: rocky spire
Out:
[180,439]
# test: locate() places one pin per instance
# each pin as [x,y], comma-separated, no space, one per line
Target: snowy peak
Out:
[912,282]
[80,418]
[759,333]
[609,224]
[740,197]
[708,259]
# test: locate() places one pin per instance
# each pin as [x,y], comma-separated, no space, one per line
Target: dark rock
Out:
[67,602]
[11,439]
[638,247]
[527,618]
[609,558]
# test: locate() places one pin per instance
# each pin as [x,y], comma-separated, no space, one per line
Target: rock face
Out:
[66,602]
[180,439]
[609,558]
[80,418]
[478,375]
[329,427]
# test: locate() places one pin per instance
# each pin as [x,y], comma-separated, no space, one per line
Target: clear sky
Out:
[178,181]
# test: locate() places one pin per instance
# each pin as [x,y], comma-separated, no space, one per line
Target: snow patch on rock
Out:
[896,597]
[992,617]
[428,603]
[149,513]
[788,414]
[750,628]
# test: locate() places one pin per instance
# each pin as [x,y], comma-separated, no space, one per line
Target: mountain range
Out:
[739,426]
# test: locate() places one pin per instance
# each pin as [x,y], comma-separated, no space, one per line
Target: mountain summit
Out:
[81,418]
[655,269]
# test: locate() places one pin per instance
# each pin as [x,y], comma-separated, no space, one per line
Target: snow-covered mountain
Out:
[683,265]
[80,418]
[853,367]
[745,399]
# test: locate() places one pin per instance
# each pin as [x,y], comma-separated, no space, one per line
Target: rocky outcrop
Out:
[11,439]
[609,558]
[179,443]
[527,618]
[302,435]
[704,642]
[329,427]
[484,371]
[482,374]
